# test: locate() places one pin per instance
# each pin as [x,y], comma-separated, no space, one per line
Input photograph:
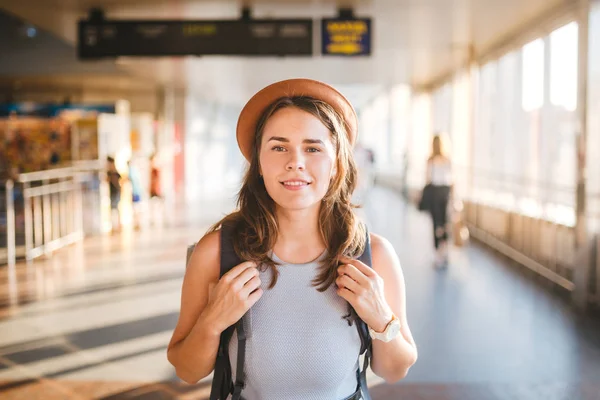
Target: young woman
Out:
[298,237]
[439,175]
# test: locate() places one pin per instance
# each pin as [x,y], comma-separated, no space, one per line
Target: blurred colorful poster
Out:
[142,134]
[34,144]
[86,142]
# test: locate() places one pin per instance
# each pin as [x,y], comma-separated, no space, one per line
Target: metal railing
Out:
[50,208]
[544,247]
[596,264]
[531,222]
[10,223]
[91,175]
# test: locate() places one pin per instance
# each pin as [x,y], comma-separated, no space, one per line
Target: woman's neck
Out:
[299,238]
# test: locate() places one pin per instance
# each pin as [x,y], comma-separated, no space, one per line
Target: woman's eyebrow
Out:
[313,141]
[286,140]
[279,139]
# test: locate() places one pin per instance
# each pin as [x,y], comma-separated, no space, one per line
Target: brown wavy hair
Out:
[438,146]
[254,224]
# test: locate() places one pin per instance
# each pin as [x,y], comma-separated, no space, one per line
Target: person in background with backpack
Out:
[114,185]
[155,181]
[439,175]
[282,296]
[157,205]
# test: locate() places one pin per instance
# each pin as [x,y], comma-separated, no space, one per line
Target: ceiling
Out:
[415,41]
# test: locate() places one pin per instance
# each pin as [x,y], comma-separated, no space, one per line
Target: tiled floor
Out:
[94,321]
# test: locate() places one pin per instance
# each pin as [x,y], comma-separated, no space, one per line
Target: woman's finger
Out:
[251,286]
[242,279]
[359,265]
[354,273]
[344,281]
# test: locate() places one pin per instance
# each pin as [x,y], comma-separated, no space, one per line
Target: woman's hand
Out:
[234,294]
[362,287]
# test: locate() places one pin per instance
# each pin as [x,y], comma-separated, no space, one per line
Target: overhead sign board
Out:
[346,37]
[105,38]
[52,110]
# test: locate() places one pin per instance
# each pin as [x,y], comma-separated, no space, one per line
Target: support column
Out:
[170,141]
[472,71]
[582,264]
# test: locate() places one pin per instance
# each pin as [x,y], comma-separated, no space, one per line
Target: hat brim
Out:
[257,105]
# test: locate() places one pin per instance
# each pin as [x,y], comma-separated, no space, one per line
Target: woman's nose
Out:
[296,162]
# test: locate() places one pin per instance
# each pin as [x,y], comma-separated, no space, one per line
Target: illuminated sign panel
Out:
[100,39]
[346,37]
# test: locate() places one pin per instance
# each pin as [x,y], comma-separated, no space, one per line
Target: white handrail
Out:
[52,210]
[11,248]
[57,173]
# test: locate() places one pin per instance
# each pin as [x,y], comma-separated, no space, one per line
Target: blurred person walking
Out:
[440,182]
[114,183]
[136,192]
[156,193]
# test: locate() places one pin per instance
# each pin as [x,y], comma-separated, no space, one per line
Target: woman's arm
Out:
[375,293]
[452,177]
[194,344]
[209,305]
[428,171]
[392,360]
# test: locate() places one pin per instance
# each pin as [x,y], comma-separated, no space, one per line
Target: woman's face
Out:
[297,158]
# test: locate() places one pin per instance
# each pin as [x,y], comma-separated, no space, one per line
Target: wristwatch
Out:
[391,331]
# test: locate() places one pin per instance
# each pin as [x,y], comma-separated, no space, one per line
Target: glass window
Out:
[400,124]
[442,109]
[461,116]
[521,149]
[420,139]
[533,75]
[563,67]
[593,122]
[558,161]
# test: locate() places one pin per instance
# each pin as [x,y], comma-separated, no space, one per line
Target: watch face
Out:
[391,332]
[394,330]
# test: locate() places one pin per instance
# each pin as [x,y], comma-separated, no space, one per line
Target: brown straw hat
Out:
[256,106]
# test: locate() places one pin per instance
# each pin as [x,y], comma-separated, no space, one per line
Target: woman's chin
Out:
[296,204]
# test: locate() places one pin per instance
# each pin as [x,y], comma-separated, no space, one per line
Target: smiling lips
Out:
[295,184]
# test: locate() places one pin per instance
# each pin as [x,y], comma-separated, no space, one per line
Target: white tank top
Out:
[440,170]
[298,345]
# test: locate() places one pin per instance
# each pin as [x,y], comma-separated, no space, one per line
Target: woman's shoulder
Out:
[441,158]
[380,245]
[385,260]
[206,255]
[210,242]
[208,248]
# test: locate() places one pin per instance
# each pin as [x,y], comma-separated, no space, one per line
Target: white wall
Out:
[214,165]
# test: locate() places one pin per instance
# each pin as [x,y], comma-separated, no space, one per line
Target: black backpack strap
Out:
[366,345]
[222,385]
[241,358]
[363,329]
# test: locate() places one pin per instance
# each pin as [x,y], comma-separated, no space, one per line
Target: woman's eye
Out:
[278,148]
[313,150]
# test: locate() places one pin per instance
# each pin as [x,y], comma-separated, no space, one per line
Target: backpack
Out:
[222,385]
